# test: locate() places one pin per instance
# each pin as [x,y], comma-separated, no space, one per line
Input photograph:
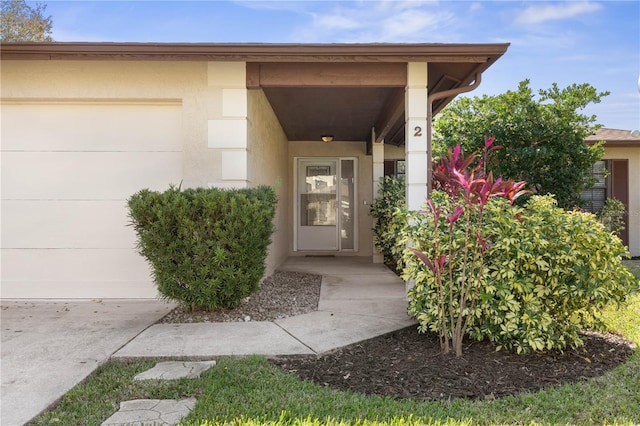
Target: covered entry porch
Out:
[345,110]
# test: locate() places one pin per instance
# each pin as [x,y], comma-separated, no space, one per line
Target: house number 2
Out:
[418,131]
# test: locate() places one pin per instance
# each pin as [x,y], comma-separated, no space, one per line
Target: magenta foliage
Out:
[456,176]
[456,214]
[436,266]
[469,187]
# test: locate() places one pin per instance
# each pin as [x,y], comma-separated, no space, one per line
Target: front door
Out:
[325,211]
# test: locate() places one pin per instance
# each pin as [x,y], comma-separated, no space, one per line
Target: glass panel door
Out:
[326,204]
[318,204]
[347,204]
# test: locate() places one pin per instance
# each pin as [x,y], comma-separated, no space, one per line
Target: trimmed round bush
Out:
[207,247]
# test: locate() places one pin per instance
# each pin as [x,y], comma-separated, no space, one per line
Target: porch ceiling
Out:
[317,102]
[349,113]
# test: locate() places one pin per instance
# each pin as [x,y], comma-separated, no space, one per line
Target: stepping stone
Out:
[172,370]
[151,411]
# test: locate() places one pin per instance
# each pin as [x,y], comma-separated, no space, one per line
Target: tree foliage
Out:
[543,137]
[21,22]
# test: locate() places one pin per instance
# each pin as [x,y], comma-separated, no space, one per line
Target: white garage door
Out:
[67,171]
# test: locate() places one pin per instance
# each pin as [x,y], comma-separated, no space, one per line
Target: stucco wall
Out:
[633,155]
[365,177]
[392,152]
[201,112]
[100,81]
[78,140]
[214,118]
[269,165]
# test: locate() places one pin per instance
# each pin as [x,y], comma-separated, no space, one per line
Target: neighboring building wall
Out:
[269,165]
[633,155]
[365,177]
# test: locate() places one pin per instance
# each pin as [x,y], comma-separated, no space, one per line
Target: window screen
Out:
[596,196]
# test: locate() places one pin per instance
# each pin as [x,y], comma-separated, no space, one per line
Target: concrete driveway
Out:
[47,347]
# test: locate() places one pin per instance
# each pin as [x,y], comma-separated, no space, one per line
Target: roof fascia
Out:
[616,143]
[255,52]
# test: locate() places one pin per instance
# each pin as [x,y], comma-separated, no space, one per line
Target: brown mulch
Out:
[405,364]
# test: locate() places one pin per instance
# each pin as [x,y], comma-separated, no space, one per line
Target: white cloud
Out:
[549,12]
[550,41]
[475,7]
[376,21]
[335,21]
[413,24]
[620,110]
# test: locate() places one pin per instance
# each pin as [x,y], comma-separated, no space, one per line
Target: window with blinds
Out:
[596,196]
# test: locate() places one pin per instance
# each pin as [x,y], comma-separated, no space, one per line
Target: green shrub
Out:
[552,272]
[612,215]
[207,247]
[391,197]
[547,273]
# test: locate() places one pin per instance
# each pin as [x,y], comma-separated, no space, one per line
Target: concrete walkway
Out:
[48,347]
[358,300]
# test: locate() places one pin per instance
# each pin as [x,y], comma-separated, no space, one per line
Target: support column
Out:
[416,149]
[378,175]
[416,130]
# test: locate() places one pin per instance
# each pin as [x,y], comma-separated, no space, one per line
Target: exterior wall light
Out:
[327,138]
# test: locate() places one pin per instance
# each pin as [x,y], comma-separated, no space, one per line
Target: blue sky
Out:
[595,42]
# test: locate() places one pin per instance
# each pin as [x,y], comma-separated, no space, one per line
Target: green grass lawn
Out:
[633,266]
[249,391]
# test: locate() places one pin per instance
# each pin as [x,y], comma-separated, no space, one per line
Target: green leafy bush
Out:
[612,215]
[551,273]
[526,278]
[391,197]
[207,247]
[547,273]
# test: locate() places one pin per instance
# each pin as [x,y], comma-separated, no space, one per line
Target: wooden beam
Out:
[253,75]
[397,137]
[332,75]
[393,111]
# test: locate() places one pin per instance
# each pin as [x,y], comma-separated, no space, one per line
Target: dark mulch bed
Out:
[405,364]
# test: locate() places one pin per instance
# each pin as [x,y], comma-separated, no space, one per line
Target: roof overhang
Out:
[339,89]
[614,138]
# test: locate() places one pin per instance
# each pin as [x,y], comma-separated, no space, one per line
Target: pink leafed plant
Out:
[458,270]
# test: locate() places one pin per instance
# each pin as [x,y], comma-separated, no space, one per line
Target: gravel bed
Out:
[281,295]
